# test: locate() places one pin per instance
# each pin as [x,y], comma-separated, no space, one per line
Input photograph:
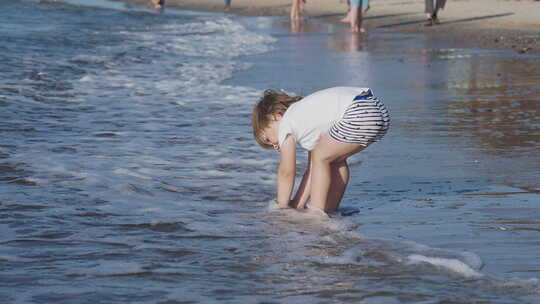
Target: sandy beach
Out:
[493,24]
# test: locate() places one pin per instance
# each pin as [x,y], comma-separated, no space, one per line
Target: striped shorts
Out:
[364,122]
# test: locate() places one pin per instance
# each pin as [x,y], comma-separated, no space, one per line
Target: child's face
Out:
[270,133]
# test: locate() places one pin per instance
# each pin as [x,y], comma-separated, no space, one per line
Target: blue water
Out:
[128,173]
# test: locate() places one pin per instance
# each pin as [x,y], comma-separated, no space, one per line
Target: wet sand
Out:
[492,24]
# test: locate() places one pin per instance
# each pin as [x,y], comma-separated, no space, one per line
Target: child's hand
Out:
[293,204]
[301,206]
[296,205]
[280,206]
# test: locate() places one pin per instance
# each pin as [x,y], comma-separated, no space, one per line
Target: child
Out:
[332,124]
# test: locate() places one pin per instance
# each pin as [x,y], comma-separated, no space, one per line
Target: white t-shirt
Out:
[313,115]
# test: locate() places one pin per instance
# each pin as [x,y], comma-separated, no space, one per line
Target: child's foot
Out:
[227,8]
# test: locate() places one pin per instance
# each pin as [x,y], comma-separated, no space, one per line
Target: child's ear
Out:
[276,117]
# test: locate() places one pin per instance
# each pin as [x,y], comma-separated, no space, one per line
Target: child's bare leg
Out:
[338,184]
[327,152]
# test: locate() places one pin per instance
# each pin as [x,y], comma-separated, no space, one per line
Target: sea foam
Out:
[453,265]
[340,242]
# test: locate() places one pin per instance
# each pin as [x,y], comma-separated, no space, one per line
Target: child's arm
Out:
[302,194]
[286,171]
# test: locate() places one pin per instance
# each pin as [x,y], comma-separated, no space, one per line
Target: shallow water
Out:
[128,172]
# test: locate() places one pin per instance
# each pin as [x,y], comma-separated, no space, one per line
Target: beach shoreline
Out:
[510,25]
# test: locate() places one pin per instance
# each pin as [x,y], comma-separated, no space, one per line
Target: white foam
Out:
[215,173]
[87,78]
[154,160]
[453,265]
[298,216]
[473,260]
[99,3]
[202,50]
[217,37]
[122,171]
[363,251]
[212,152]
[233,39]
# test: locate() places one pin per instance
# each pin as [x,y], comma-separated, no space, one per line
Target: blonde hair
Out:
[273,102]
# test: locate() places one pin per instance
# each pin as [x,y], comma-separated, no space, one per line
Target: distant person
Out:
[331,124]
[227,5]
[297,7]
[158,5]
[355,14]
[432,9]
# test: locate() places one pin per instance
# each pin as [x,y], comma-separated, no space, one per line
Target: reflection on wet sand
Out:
[498,103]
[296,26]
[487,107]
[495,102]
[347,42]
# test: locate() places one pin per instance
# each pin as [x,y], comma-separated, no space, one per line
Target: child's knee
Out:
[330,160]
[322,158]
